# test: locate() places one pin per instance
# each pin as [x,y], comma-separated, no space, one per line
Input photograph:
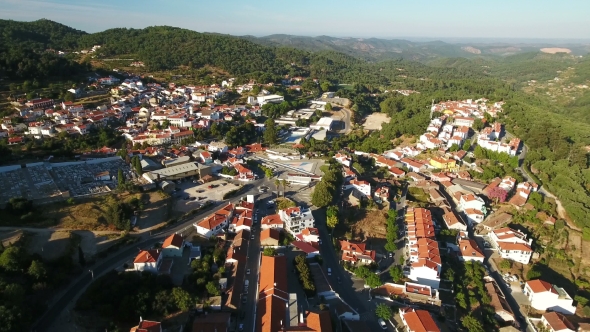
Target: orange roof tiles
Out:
[558,322]
[273,219]
[540,286]
[420,321]
[173,240]
[147,326]
[147,256]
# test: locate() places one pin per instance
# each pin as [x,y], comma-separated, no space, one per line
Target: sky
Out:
[436,19]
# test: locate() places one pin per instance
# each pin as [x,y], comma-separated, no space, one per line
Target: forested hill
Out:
[38,35]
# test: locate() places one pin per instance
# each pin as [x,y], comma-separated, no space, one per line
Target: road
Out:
[346,115]
[111,262]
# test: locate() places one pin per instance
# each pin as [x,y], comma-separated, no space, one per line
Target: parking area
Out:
[211,191]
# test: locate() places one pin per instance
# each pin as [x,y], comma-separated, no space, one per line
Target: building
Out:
[265,99]
[498,301]
[271,221]
[469,251]
[296,219]
[547,297]
[216,222]
[270,237]
[172,246]
[416,320]
[443,164]
[425,262]
[356,253]
[556,322]
[512,244]
[148,260]
[323,123]
[363,187]
[452,221]
[147,326]
[212,322]
[343,159]
[174,172]
[273,297]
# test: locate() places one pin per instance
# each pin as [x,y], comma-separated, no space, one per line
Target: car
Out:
[195,181]
[210,187]
[241,327]
[200,191]
[244,299]
[320,241]
[390,255]
[248,271]
[329,271]
[382,323]
[339,281]
[236,184]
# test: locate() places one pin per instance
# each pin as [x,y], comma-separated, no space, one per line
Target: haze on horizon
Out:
[499,20]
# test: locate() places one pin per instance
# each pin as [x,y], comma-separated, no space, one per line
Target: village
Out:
[451,190]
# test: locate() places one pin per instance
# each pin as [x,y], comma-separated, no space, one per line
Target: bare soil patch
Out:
[375,120]
[49,245]
[371,226]
[554,50]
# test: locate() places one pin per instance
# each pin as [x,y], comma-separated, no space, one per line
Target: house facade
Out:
[547,297]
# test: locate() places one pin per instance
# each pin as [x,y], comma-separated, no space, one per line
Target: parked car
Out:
[382,323]
[329,271]
[390,255]
[248,271]
[241,327]
[252,237]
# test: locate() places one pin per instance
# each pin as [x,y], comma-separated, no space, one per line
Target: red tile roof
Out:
[420,321]
[173,240]
[540,286]
[147,256]
[558,322]
[147,326]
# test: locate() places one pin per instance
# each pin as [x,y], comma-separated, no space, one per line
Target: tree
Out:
[498,194]
[120,179]
[359,168]
[466,145]
[37,270]
[278,185]
[325,86]
[472,324]
[454,148]
[373,280]
[182,299]
[270,132]
[328,107]
[396,273]
[212,288]
[383,311]
[332,221]
[478,124]
[12,258]
[269,251]
[285,184]
[505,264]
[322,196]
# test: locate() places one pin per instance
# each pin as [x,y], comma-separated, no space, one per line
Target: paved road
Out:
[346,116]
[77,286]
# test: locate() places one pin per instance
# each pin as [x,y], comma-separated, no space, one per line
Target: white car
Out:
[248,271]
[329,271]
[382,323]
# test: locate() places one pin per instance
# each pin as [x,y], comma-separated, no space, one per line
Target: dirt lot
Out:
[375,120]
[51,245]
[371,226]
[87,215]
[190,189]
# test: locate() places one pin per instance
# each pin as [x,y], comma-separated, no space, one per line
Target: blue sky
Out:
[340,18]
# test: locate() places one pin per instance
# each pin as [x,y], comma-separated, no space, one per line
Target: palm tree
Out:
[277,184]
[285,185]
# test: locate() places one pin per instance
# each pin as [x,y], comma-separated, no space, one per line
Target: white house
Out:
[148,260]
[216,222]
[343,159]
[426,272]
[469,251]
[363,187]
[556,322]
[217,147]
[173,246]
[547,297]
[296,219]
[512,244]
[474,216]
[471,201]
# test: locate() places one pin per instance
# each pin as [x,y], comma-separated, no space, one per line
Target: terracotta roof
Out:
[469,248]
[270,233]
[273,294]
[305,247]
[515,246]
[147,256]
[273,219]
[173,240]
[558,322]
[540,286]
[147,326]
[420,321]
[271,314]
[497,299]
